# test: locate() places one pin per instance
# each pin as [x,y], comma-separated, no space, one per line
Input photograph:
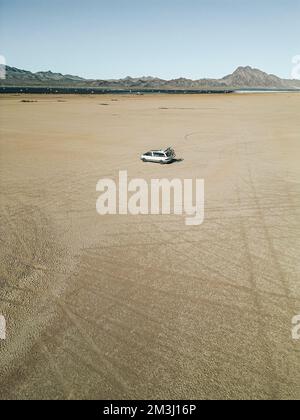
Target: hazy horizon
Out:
[166,39]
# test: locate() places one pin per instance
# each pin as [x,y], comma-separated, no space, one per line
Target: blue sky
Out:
[164,38]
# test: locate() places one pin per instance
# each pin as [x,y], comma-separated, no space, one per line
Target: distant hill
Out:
[248,77]
[242,77]
[18,77]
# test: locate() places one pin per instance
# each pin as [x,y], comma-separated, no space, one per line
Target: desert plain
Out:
[145,307]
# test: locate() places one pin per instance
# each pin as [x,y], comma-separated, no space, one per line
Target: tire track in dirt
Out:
[264,338]
[27,251]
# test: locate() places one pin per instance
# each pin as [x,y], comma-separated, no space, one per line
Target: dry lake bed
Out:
[145,307]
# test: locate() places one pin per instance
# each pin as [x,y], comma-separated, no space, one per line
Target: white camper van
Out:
[159,156]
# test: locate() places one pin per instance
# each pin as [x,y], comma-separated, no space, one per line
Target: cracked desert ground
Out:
[145,307]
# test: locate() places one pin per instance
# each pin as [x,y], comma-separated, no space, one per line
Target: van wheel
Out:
[162,163]
[144,160]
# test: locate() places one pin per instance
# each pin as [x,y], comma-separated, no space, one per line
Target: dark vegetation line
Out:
[48,90]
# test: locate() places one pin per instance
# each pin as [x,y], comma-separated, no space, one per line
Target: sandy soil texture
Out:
[139,307]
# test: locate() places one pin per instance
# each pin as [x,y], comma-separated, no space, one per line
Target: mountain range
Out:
[242,77]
